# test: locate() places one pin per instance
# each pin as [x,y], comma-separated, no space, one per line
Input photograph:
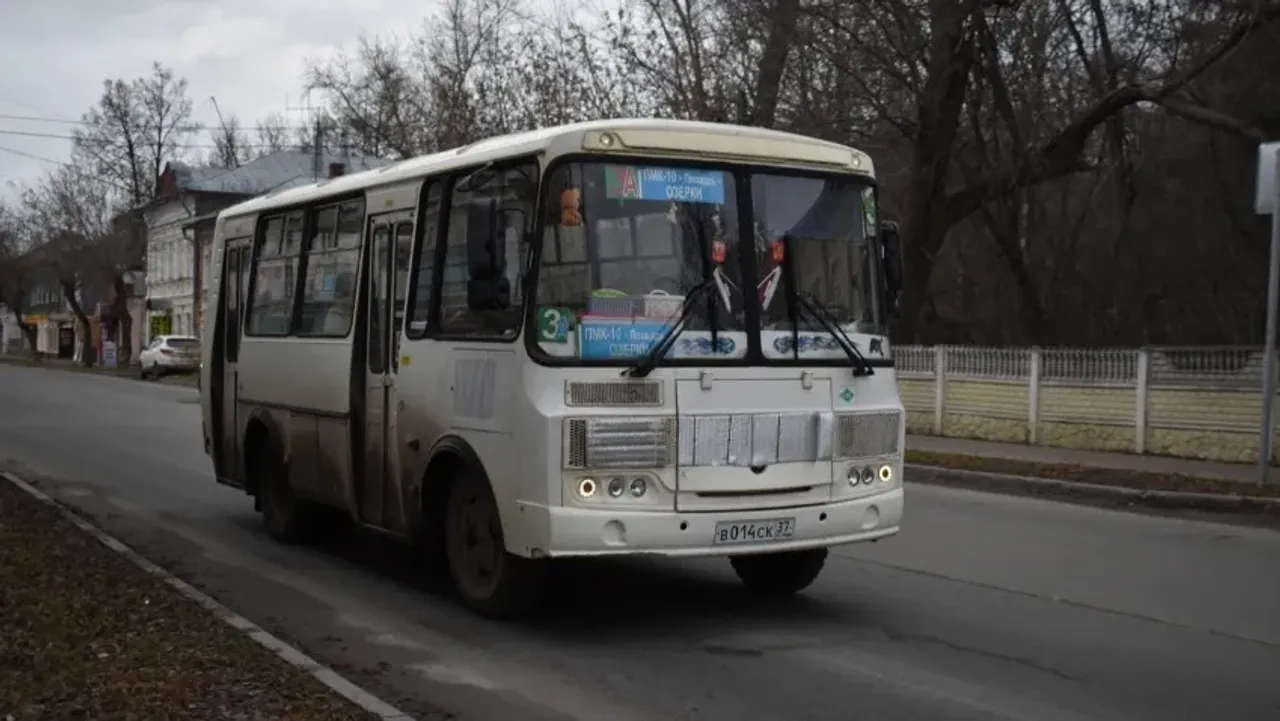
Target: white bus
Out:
[610,338]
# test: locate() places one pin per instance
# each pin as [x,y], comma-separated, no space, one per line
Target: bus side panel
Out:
[470,391]
[312,401]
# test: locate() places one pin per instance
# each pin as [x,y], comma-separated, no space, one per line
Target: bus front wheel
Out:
[779,574]
[488,579]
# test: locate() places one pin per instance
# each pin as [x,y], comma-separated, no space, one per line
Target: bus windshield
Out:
[624,245]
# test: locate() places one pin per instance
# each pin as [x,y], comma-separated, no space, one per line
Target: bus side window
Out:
[488,223]
[333,259]
[271,306]
[422,284]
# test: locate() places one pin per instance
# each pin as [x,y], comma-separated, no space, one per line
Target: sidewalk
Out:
[1022,453]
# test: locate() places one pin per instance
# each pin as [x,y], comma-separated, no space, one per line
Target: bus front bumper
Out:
[582,532]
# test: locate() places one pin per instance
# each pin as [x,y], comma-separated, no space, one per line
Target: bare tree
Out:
[16,272]
[478,68]
[134,129]
[1026,145]
[69,213]
[231,146]
[272,134]
[380,96]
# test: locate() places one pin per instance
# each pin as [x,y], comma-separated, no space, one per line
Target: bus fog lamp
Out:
[886,473]
[616,487]
[638,487]
[868,476]
[587,487]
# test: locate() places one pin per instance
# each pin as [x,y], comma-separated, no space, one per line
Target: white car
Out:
[170,354]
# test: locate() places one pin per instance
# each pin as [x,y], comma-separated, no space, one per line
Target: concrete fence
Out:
[1201,402]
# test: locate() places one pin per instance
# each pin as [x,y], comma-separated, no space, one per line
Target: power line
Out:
[68,121]
[38,119]
[25,154]
[184,146]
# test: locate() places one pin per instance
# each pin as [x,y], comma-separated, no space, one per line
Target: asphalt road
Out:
[985,607]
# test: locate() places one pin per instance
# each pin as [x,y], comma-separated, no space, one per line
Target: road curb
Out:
[293,655]
[986,480]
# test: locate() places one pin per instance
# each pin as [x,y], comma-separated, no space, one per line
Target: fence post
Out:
[1033,397]
[1140,401]
[939,387]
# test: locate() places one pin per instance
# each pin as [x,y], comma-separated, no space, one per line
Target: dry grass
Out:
[85,634]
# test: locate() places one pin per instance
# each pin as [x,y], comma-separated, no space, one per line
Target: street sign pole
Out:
[1268,202]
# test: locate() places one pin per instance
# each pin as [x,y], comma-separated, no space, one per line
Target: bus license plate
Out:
[774,529]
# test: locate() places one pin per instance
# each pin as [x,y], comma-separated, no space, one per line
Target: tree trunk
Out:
[782,18]
[29,331]
[941,102]
[120,308]
[86,343]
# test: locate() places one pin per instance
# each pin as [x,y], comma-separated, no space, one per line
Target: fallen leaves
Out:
[84,634]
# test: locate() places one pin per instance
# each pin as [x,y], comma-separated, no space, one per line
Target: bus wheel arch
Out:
[259,443]
[462,525]
[287,518]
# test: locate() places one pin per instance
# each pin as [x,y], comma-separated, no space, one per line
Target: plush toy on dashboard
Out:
[571,207]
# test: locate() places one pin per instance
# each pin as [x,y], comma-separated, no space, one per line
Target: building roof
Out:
[269,173]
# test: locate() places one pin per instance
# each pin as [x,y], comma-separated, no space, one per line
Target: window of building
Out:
[332,261]
[481,290]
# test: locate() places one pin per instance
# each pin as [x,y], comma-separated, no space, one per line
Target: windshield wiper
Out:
[704,288]
[659,349]
[818,312]
[828,320]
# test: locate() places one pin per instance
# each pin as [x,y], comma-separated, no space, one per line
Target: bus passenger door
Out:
[235,268]
[388,265]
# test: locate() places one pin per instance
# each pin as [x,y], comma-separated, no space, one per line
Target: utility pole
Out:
[317,150]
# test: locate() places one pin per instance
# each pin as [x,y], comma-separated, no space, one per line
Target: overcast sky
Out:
[249,54]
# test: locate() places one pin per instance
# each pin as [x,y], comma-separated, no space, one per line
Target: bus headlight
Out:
[619,442]
[616,487]
[871,476]
[638,487]
[631,491]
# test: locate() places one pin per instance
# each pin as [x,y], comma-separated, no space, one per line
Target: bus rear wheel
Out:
[287,518]
[778,575]
[488,579]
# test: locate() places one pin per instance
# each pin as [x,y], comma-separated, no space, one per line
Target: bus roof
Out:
[571,136]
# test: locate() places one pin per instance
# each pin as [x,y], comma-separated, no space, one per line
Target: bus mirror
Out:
[483,260]
[891,259]
[475,179]
[492,293]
